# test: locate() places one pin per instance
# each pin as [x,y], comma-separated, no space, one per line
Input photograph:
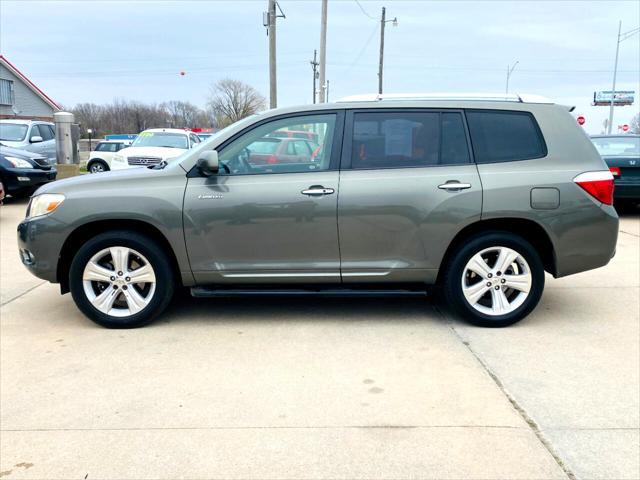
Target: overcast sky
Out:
[95,51]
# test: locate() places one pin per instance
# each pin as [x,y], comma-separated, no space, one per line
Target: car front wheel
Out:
[495,279]
[97,166]
[121,279]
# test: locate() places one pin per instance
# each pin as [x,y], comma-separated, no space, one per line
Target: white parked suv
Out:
[154,146]
[100,158]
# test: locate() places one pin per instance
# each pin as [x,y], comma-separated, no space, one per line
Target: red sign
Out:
[581,120]
[625,128]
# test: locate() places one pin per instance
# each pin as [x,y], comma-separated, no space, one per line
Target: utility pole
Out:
[327,90]
[621,37]
[314,66]
[323,51]
[269,21]
[273,87]
[613,88]
[383,22]
[509,72]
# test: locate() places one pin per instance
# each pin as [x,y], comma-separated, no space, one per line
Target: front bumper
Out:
[19,178]
[40,242]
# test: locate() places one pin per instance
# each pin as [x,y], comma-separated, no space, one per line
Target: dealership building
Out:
[20,97]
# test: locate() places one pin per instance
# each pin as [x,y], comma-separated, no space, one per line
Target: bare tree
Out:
[231,100]
[183,114]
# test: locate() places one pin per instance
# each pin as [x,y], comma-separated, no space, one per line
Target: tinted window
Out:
[101,147]
[454,149]
[43,131]
[394,139]
[499,136]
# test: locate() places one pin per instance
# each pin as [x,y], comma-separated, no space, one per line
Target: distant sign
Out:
[581,120]
[620,97]
[121,136]
[624,128]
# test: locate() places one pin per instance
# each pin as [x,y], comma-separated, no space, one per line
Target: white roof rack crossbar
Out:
[488,97]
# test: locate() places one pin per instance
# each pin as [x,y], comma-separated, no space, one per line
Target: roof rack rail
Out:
[479,97]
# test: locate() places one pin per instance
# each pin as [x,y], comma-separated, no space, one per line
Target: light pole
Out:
[89,132]
[621,37]
[383,22]
[509,72]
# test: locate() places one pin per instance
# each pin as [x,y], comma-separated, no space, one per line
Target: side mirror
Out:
[36,139]
[208,163]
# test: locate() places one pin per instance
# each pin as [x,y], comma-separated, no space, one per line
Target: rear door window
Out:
[408,139]
[504,136]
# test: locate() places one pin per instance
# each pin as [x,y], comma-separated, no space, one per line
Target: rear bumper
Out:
[627,190]
[587,240]
[17,179]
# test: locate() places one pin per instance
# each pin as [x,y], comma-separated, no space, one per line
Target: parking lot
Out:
[323,389]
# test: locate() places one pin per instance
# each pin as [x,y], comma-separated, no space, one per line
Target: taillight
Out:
[597,184]
[271,159]
[615,171]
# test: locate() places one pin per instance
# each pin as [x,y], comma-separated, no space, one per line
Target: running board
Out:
[204,292]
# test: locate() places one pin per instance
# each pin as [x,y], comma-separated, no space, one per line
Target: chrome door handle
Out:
[453,186]
[317,190]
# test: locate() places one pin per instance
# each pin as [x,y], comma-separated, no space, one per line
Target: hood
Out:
[162,152]
[85,182]
[6,149]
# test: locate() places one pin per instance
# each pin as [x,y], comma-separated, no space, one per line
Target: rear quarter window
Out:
[504,136]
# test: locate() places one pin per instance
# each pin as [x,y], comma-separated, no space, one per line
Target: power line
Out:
[365,12]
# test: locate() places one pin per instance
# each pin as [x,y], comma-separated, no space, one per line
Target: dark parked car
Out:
[622,154]
[22,172]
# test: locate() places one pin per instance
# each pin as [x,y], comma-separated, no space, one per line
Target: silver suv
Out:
[385,194]
[31,135]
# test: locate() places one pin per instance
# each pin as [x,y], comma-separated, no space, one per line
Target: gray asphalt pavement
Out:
[323,389]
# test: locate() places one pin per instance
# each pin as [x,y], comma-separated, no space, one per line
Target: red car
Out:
[271,150]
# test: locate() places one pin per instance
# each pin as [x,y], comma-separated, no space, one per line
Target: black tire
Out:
[102,163]
[164,278]
[452,285]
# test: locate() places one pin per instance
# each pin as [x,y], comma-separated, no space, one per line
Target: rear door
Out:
[408,184]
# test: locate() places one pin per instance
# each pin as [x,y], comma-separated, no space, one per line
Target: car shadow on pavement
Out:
[309,309]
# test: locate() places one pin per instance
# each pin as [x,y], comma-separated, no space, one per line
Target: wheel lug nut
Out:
[489,275]
[119,274]
[497,287]
[124,287]
[115,287]
[503,281]
[499,273]
[128,279]
[488,284]
[113,278]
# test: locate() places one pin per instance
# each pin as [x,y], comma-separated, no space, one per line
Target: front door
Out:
[408,185]
[267,222]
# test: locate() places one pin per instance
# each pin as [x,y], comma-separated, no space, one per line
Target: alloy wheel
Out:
[496,281]
[119,281]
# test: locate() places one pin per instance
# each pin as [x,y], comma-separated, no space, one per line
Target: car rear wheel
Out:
[97,166]
[494,279]
[121,279]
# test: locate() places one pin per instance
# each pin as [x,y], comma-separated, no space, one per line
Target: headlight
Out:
[44,204]
[18,162]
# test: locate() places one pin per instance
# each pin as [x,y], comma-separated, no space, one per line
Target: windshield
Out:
[608,146]
[161,139]
[13,132]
